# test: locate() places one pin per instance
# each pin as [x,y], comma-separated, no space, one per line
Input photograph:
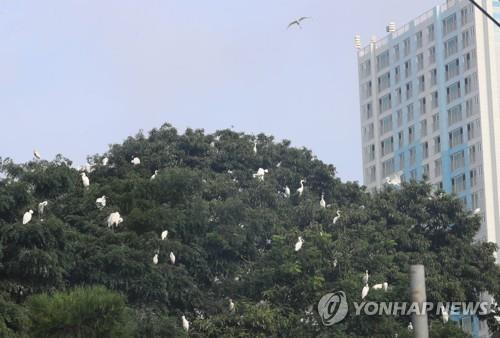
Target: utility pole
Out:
[418,295]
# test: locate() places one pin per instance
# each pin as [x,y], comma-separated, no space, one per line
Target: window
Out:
[399,116]
[396,52]
[399,96]
[383,60]
[456,137]
[422,105]
[411,134]
[385,125]
[435,122]
[457,160]
[384,81]
[413,174]
[466,14]
[370,174]
[366,90]
[365,68]
[473,129]
[409,112]
[421,84]
[476,200]
[470,83]
[454,114]
[434,99]
[413,156]
[453,92]
[387,167]
[367,111]
[437,144]
[387,146]
[458,184]
[408,68]
[368,132]
[469,60]
[451,46]
[432,55]
[437,167]
[433,74]
[425,150]
[425,171]
[449,24]
[420,62]
[397,74]
[400,140]
[473,178]
[419,37]
[472,106]
[423,128]
[401,161]
[384,103]
[407,46]
[409,90]
[468,37]
[474,153]
[452,69]
[430,33]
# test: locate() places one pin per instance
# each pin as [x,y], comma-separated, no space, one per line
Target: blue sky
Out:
[77,75]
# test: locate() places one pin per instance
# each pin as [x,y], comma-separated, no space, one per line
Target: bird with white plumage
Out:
[37,155]
[287,191]
[27,216]
[172,257]
[114,219]
[299,243]
[85,180]
[322,202]
[154,175]
[41,208]
[336,218]
[136,161]
[164,235]
[365,291]
[100,202]
[301,189]
[260,174]
[185,323]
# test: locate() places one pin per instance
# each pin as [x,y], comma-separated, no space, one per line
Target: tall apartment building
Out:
[430,106]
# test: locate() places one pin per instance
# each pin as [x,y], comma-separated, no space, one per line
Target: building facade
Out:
[430,107]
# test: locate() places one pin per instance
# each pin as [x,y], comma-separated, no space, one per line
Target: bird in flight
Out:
[297,22]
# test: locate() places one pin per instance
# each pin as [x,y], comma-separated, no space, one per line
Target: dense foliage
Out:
[233,236]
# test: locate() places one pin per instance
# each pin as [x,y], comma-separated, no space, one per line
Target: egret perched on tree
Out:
[260,174]
[231,305]
[41,208]
[155,259]
[164,235]
[114,219]
[101,202]
[37,155]
[322,202]
[444,315]
[297,22]
[364,292]
[172,257]
[136,161]
[105,161]
[381,286]
[255,147]
[336,218]
[366,276]
[299,243]
[477,211]
[154,175]
[85,180]
[394,179]
[410,327]
[278,165]
[385,286]
[185,323]
[301,189]
[27,216]
[287,191]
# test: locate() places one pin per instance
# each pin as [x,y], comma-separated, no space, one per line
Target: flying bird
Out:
[336,218]
[322,202]
[172,257]
[37,155]
[185,323]
[136,161]
[164,235]
[41,207]
[364,292]
[114,219]
[301,189]
[299,243]
[101,202]
[85,180]
[297,22]
[27,216]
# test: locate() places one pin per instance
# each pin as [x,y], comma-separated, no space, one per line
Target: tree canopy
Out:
[233,236]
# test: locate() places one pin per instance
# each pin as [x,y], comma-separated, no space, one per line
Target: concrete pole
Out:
[418,295]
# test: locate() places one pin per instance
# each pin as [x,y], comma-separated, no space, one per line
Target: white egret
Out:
[114,219]
[444,315]
[154,175]
[477,211]
[136,161]
[336,218]
[385,286]
[394,178]
[497,318]
[366,276]
[335,262]
[364,292]
[164,235]
[299,243]
[410,327]
[101,202]
[37,155]
[260,174]
[287,191]
[301,189]
[85,180]
[155,259]
[105,161]
[185,323]
[27,216]
[172,257]
[231,305]
[377,287]
[255,147]
[230,172]
[322,202]
[41,208]
[278,165]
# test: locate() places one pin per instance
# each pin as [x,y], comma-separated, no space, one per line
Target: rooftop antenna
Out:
[391,27]
[357,41]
